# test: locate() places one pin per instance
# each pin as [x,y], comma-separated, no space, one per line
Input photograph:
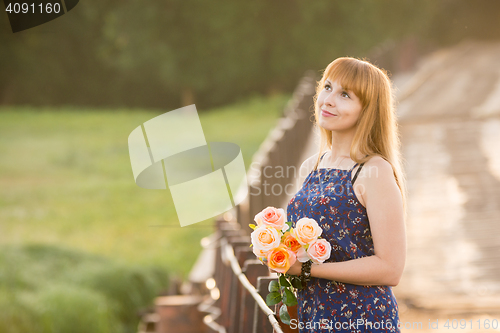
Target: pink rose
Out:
[319,251]
[264,239]
[273,217]
[306,231]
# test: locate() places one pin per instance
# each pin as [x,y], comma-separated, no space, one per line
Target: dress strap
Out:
[322,156]
[357,172]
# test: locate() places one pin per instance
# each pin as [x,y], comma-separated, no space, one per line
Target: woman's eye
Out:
[344,94]
[327,86]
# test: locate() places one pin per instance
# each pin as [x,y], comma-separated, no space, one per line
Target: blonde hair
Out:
[377,131]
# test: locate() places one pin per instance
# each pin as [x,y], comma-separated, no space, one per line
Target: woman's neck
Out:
[341,145]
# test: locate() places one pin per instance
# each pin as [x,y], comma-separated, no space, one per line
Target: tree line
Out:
[164,54]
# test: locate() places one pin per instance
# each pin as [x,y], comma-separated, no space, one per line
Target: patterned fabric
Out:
[327,197]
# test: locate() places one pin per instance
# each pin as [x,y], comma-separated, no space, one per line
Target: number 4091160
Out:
[463,324]
[25,8]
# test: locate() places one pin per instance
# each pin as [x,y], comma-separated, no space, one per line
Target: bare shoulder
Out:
[376,177]
[378,168]
[311,160]
[309,163]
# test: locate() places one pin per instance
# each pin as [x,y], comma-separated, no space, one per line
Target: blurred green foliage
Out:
[49,289]
[164,54]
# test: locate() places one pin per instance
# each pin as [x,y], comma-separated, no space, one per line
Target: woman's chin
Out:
[332,128]
[324,125]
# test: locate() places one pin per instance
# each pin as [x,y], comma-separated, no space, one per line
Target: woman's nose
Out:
[329,100]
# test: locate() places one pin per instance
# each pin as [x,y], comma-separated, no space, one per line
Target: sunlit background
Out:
[83,249]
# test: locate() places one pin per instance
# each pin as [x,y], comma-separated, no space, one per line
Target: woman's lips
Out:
[327,114]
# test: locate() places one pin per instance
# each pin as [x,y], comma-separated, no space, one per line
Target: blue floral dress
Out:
[324,305]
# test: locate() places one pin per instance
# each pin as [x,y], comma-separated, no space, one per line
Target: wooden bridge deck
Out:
[450,126]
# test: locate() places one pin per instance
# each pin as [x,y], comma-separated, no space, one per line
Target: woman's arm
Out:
[385,212]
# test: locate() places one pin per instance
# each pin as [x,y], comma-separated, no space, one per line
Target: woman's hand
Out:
[295,268]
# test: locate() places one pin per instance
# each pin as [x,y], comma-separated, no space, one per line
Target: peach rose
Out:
[319,251]
[280,259]
[306,231]
[264,239]
[291,242]
[273,217]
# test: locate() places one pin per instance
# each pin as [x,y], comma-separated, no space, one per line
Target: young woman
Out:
[355,190]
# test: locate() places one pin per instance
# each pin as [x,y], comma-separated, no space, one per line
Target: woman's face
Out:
[339,109]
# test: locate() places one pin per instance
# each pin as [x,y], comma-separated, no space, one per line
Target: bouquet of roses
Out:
[275,242]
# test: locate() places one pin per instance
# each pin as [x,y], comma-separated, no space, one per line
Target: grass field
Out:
[66,186]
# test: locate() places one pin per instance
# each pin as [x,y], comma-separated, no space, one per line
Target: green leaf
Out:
[296,283]
[273,298]
[274,286]
[284,282]
[289,225]
[289,298]
[284,315]
[253,226]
